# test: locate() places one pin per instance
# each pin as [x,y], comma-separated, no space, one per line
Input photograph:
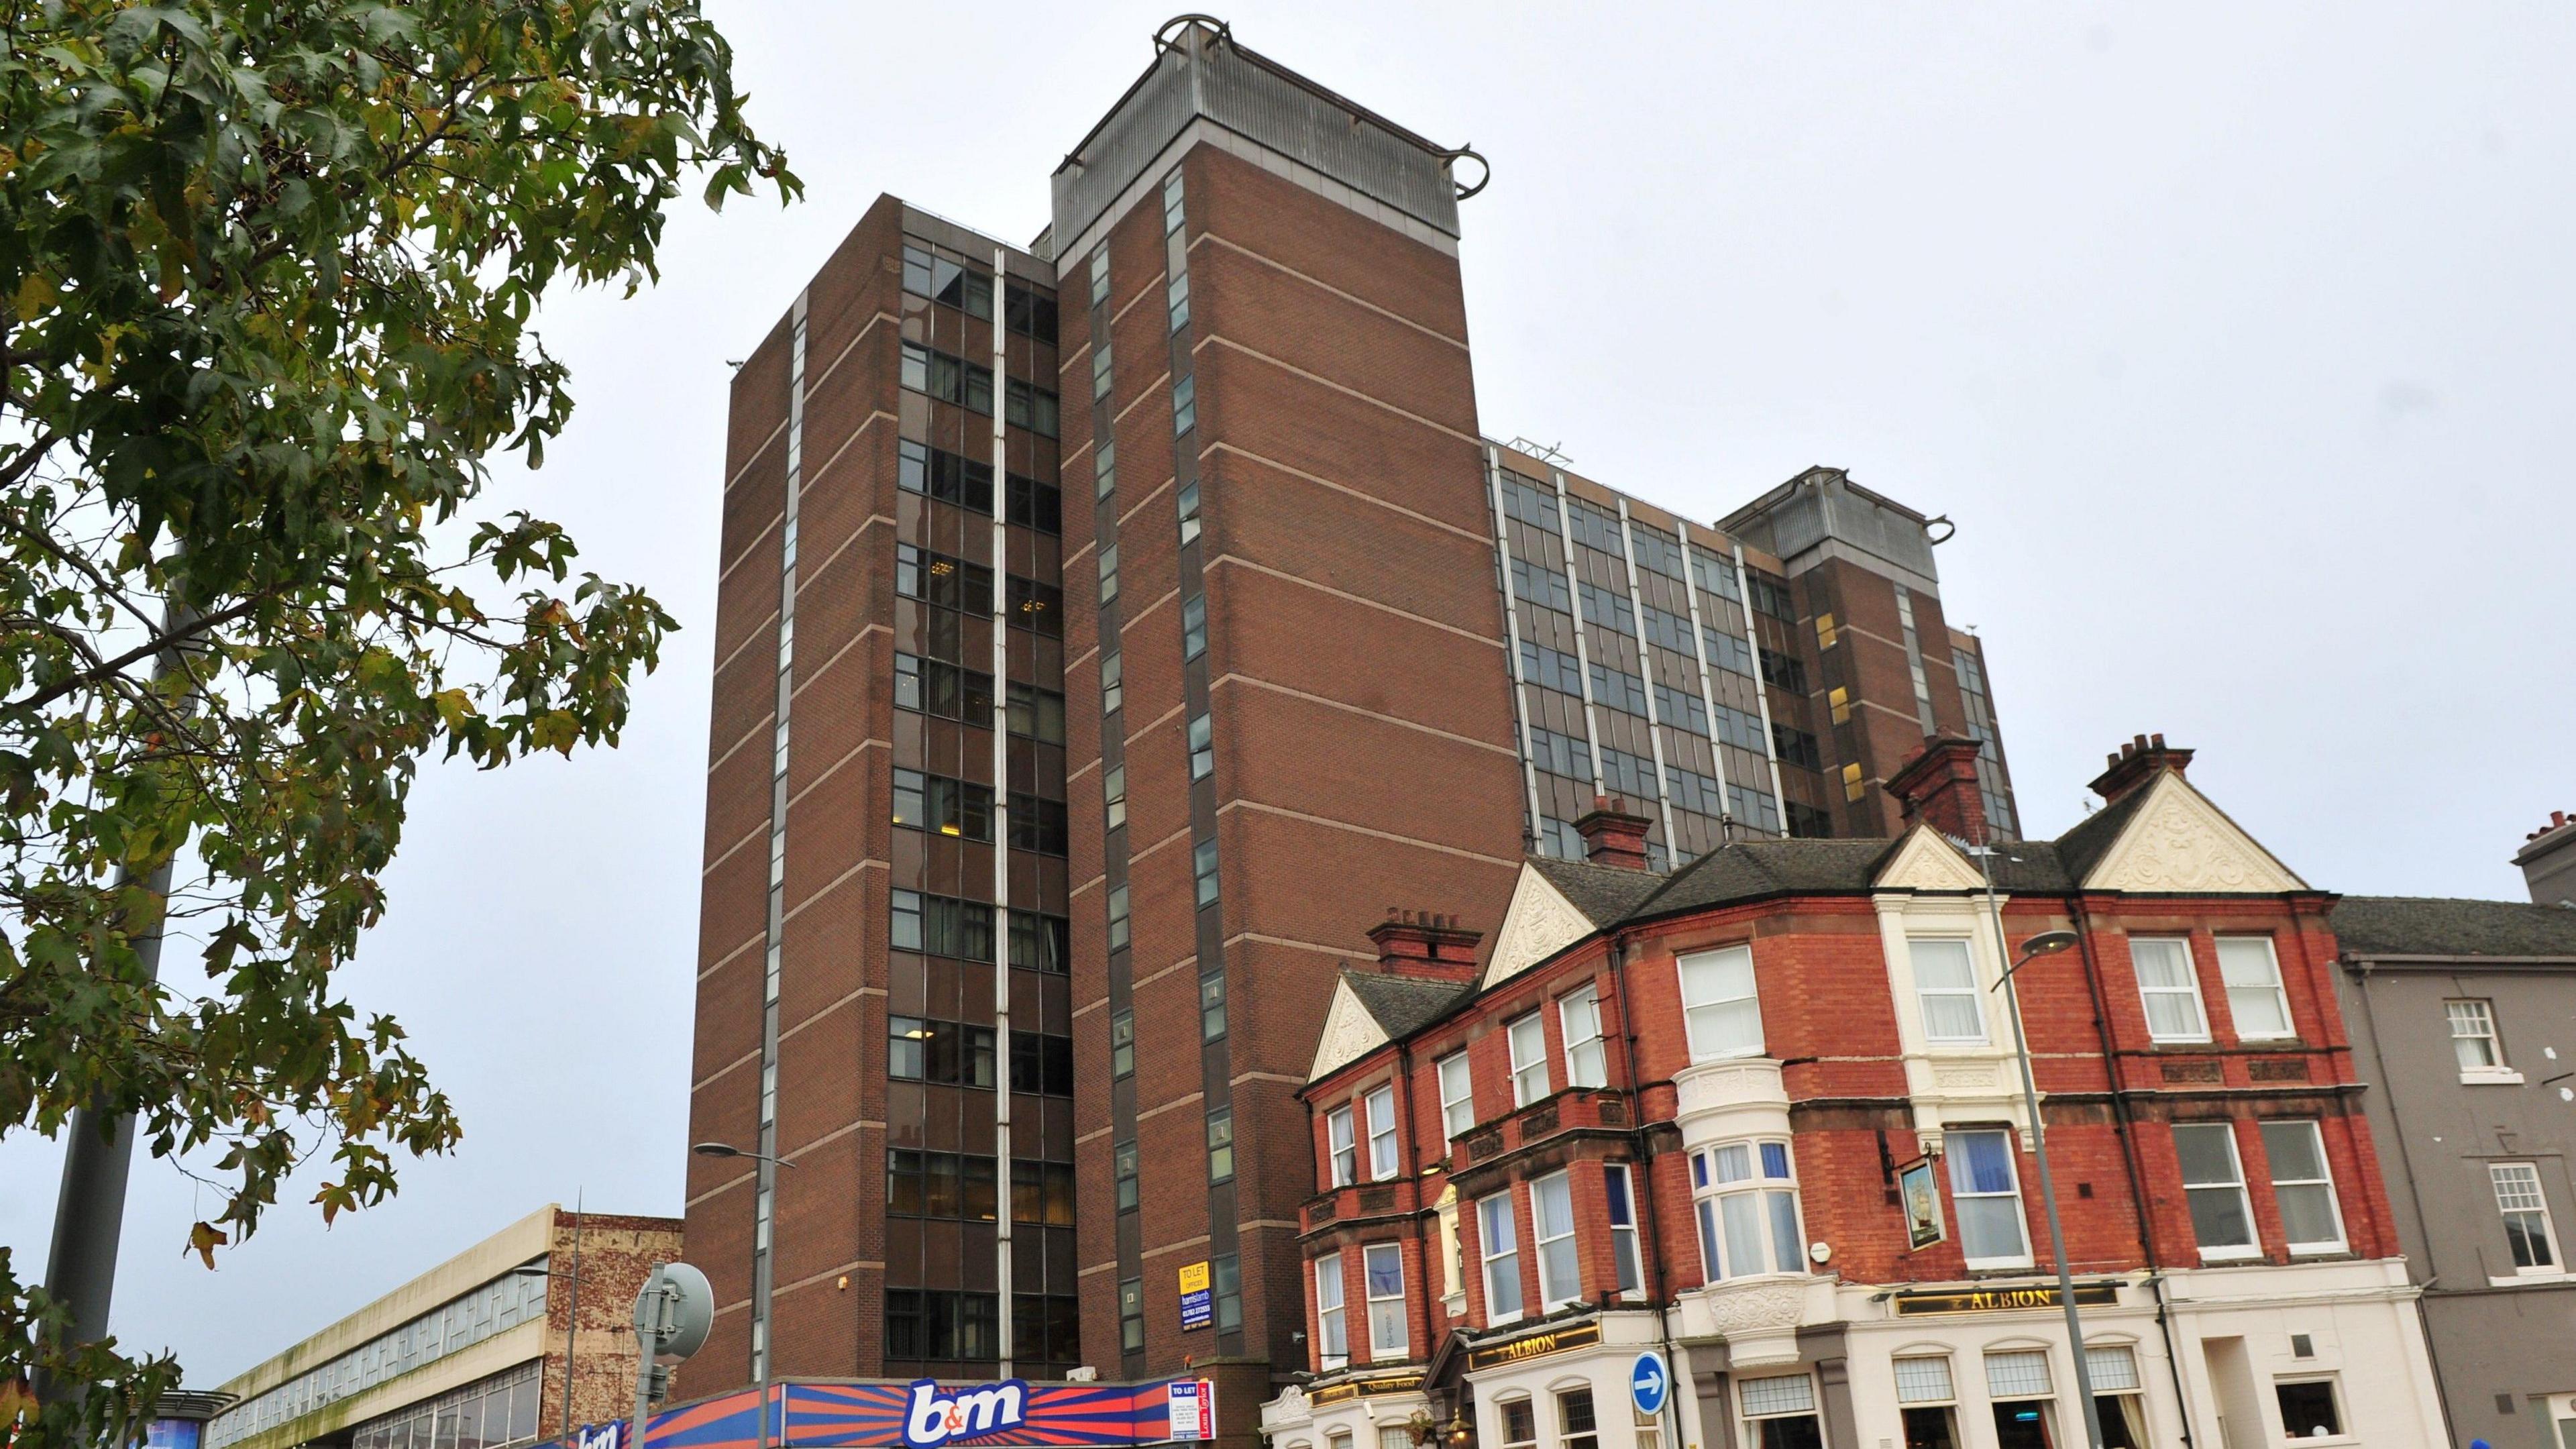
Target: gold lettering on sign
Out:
[1536,1345]
[2003,1300]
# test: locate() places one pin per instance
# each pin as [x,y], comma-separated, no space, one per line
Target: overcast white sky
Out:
[2237,340]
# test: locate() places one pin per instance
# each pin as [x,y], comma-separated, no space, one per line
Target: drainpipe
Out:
[1645,1201]
[2127,1128]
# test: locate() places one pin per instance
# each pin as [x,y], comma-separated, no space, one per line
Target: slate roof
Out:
[1403,1004]
[1603,893]
[1749,870]
[2375,926]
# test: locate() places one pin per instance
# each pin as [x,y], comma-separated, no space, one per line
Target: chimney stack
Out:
[1939,785]
[1420,943]
[1613,835]
[2548,862]
[2137,763]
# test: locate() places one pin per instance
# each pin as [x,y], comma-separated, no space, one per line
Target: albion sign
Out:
[2003,1300]
[934,1418]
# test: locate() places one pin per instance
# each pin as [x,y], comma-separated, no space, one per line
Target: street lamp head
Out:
[2047,943]
[716,1149]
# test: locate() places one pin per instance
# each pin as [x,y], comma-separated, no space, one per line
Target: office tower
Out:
[1109,606]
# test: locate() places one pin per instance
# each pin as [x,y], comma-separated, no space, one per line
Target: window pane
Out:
[2253,979]
[1923,1381]
[2308,1409]
[1788,1255]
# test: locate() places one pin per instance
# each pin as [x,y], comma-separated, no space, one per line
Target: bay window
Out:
[1747,1209]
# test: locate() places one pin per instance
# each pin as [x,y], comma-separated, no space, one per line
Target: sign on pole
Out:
[1648,1384]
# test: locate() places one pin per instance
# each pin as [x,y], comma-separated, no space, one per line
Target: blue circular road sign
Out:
[1648,1384]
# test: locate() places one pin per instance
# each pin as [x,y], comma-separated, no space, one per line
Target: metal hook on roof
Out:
[1487,167]
[1942,522]
[1163,32]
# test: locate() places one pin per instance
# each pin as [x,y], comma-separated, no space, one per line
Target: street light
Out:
[727,1149]
[2047,943]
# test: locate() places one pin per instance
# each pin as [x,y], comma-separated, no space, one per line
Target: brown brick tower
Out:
[1292,669]
[890,593]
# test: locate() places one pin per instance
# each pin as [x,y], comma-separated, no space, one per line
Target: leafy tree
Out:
[267,273]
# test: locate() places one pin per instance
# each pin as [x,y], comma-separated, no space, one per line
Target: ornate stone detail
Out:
[1756,1307]
[2278,1069]
[1377,1199]
[1964,1076]
[1539,923]
[1718,1086]
[2191,1069]
[1926,862]
[1349,1032]
[1538,1122]
[2178,841]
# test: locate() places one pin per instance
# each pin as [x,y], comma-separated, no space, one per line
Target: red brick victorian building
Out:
[1762,1117]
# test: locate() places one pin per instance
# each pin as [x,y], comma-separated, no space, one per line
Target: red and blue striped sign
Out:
[872,1416]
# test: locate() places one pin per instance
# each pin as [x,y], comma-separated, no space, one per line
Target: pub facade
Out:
[1757,1127]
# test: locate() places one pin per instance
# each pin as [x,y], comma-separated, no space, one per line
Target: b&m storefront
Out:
[927,1414]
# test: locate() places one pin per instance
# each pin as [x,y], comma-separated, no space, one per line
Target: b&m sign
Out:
[927,1414]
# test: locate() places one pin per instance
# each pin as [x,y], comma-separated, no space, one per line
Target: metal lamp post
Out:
[727,1149]
[2047,943]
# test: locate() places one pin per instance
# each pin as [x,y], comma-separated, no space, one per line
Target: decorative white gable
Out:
[2178,841]
[1349,1033]
[1927,861]
[1539,923]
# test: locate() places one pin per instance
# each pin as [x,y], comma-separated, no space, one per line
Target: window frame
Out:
[2252,1247]
[1466,1096]
[1521,1069]
[1974,992]
[2497,1069]
[2341,1241]
[1496,1218]
[2278,989]
[1380,1103]
[1379,1351]
[1332,1325]
[1341,1146]
[1586,999]
[2334,1400]
[1627,1261]
[2021,1208]
[2187,993]
[1761,1189]
[1705,967]
[2556,1267]
[1560,1184]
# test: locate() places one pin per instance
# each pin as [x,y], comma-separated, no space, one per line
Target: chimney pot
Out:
[1939,785]
[2138,762]
[1613,834]
[1425,943]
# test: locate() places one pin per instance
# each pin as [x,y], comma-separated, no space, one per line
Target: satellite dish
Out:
[676,1308]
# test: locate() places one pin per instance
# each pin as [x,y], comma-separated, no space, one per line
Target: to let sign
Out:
[1198,1306]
